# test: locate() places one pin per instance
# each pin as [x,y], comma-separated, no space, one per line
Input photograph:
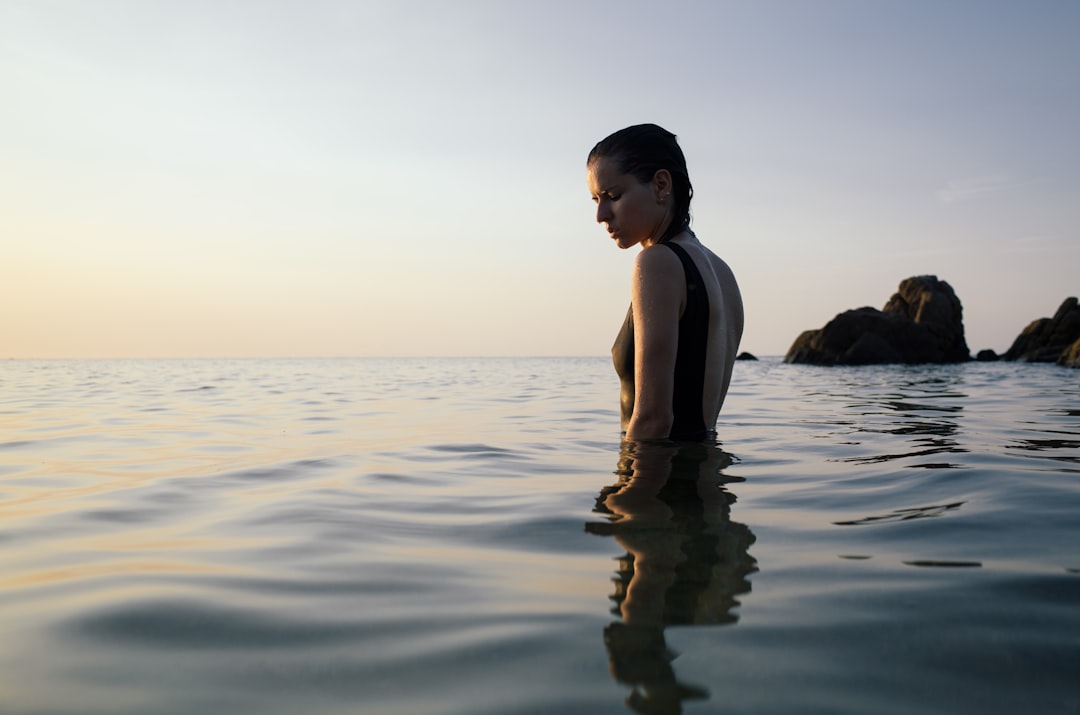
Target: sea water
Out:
[471,536]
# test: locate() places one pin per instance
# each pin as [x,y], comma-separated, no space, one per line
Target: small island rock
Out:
[987,356]
[921,323]
[1048,339]
[745,356]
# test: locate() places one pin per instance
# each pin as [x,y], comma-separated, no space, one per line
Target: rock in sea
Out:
[1071,356]
[1049,339]
[921,323]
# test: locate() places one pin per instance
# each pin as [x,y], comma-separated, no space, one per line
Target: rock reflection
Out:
[1040,445]
[685,563]
[921,512]
[927,428]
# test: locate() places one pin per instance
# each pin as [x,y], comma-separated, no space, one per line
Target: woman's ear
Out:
[661,183]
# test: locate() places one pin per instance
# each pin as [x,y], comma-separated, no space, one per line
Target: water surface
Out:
[470,536]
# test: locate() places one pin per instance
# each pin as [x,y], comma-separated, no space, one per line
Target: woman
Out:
[676,350]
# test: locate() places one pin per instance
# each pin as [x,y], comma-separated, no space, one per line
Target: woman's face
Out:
[630,210]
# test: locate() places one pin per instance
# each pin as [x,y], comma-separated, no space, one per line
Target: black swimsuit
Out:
[689,383]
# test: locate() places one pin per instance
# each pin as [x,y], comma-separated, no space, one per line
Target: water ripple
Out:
[443,536]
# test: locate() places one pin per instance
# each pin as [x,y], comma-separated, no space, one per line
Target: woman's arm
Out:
[657,295]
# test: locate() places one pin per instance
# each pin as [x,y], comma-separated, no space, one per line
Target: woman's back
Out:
[710,326]
[725,325]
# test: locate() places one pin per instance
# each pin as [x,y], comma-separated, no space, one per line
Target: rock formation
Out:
[1049,339]
[1071,356]
[921,323]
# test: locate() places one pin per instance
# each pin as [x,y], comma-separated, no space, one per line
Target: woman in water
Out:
[675,352]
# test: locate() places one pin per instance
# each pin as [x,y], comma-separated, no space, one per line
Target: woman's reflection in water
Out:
[685,562]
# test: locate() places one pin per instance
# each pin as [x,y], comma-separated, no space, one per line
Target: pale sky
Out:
[274,178]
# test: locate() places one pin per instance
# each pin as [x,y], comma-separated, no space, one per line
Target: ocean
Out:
[440,536]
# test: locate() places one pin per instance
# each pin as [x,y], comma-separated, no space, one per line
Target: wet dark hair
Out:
[641,151]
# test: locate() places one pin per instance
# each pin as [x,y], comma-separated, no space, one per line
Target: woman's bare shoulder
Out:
[656,256]
[656,261]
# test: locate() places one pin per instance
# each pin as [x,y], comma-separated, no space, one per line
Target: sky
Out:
[233,178]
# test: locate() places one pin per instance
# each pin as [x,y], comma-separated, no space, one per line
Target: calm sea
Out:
[467,536]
